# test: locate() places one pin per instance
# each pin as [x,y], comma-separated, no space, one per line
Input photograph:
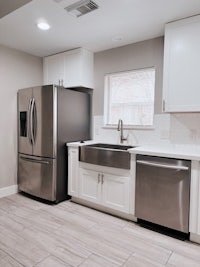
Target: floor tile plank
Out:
[96,245]
[9,262]
[66,249]
[177,260]
[52,262]
[134,244]
[140,261]
[34,234]
[98,261]
[186,248]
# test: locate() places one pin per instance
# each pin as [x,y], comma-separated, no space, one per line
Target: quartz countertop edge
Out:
[77,144]
[179,152]
[188,152]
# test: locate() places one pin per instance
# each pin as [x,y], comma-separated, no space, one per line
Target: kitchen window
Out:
[130,96]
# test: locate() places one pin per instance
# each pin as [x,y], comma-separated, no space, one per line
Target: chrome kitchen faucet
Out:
[120,128]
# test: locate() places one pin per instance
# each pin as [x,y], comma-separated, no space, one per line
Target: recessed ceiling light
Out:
[43,26]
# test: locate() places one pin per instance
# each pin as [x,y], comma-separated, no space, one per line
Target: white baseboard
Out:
[9,190]
[104,209]
[195,238]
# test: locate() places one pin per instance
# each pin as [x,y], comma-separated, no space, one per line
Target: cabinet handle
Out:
[99,177]
[60,82]
[102,179]
[163,105]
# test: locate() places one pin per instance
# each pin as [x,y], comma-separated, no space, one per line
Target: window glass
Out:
[130,96]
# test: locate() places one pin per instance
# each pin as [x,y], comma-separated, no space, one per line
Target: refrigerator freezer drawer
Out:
[37,176]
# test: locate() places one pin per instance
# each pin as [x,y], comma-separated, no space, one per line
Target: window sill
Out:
[112,127]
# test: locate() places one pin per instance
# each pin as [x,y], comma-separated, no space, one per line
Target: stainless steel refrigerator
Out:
[48,117]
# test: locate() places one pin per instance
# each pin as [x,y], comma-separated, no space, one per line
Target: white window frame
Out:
[106,102]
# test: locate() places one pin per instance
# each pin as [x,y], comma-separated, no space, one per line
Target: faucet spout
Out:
[119,125]
[120,128]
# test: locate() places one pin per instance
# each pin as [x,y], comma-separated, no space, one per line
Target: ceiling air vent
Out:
[81,8]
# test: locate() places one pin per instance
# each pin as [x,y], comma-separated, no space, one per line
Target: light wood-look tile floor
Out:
[68,234]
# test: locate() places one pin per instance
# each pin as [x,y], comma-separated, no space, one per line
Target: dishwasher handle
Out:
[159,165]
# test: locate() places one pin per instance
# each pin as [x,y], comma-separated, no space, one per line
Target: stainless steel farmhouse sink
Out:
[110,146]
[116,156]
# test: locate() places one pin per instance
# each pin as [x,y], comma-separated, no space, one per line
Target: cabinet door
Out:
[181,80]
[194,221]
[72,68]
[53,69]
[115,192]
[78,68]
[73,172]
[90,185]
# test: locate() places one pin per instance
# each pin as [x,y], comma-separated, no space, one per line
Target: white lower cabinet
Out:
[194,223]
[109,190]
[115,192]
[108,187]
[90,188]
[73,172]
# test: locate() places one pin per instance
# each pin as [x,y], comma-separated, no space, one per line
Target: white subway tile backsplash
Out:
[168,129]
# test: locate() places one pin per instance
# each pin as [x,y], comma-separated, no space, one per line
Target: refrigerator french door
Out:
[48,117]
[37,110]
[37,141]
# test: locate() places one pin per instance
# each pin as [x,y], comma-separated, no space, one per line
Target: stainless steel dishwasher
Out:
[163,191]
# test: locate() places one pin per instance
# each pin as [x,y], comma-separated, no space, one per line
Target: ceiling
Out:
[8,6]
[115,23]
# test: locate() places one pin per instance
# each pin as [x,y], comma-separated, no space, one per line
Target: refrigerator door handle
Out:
[29,121]
[34,160]
[34,121]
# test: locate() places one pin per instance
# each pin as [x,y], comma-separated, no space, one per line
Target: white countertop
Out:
[190,152]
[77,144]
[170,151]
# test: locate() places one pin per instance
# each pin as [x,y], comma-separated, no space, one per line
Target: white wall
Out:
[17,70]
[168,128]
[134,56]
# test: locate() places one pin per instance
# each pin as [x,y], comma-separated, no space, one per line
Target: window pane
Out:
[131,97]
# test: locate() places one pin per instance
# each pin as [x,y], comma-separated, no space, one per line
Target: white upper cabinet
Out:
[181,79]
[73,68]
[78,68]
[53,69]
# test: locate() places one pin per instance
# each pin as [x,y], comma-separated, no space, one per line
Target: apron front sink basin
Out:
[116,156]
